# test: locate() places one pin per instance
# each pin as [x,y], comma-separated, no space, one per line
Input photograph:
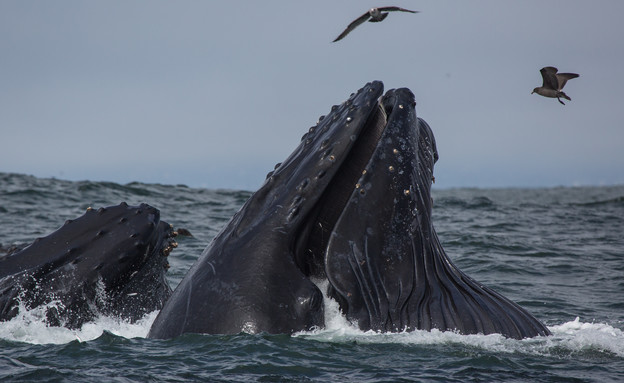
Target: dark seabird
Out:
[553,83]
[373,15]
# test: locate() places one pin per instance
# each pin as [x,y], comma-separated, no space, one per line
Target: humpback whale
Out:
[351,206]
[109,261]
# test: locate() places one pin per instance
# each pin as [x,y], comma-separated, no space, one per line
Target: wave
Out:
[30,326]
[569,339]
[615,201]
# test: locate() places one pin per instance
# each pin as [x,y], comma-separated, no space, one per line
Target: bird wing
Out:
[562,78]
[549,77]
[352,26]
[392,9]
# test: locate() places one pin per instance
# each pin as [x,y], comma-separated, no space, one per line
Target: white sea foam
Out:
[29,326]
[568,338]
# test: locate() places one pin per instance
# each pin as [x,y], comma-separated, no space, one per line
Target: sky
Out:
[213,94]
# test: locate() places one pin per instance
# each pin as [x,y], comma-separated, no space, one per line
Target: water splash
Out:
[29,326]
[569,338]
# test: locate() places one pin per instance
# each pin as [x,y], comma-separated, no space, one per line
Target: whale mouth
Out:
[313,237]
[350,206]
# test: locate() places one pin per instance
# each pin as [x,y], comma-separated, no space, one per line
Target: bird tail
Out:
[561,94]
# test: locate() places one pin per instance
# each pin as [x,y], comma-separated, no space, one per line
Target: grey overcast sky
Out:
[213,94]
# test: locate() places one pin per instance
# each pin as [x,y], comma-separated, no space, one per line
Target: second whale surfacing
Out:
[350,206]
[110,261]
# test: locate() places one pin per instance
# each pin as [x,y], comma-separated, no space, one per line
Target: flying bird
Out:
[553,83]
[373,15]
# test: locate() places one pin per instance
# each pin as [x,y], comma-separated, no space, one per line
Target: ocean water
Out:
[559,252]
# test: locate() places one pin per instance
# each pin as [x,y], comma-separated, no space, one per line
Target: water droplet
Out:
[406,192]
[391,169]
[395,151]
[349,119]
[401,106]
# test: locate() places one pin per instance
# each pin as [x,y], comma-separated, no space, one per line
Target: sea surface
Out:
[559,252]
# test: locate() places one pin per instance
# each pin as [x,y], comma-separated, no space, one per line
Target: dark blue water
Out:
[558,252]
